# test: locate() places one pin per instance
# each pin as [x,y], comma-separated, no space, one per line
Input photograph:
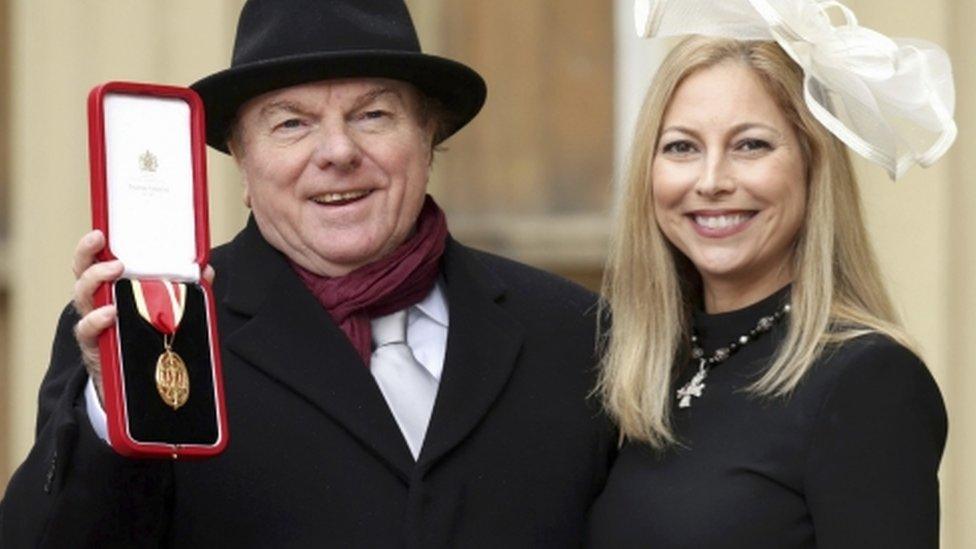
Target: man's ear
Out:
[234,147]
[431,132]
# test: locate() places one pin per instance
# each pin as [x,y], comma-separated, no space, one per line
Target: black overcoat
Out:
[515,453]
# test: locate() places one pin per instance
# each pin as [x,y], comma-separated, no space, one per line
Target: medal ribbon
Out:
[161,303]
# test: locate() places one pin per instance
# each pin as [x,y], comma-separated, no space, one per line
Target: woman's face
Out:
[729,185]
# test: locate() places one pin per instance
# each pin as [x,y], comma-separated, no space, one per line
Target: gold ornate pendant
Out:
[161,303]
[172,379]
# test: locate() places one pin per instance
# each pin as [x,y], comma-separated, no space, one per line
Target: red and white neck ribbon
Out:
[161,303]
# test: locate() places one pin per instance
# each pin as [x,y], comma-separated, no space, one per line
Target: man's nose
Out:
[716,178]
[336,147]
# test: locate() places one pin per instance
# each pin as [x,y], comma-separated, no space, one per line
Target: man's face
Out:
[335,171]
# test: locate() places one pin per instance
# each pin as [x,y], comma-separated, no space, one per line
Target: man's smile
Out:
[341,199]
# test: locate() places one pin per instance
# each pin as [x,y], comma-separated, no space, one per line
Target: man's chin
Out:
[340,260]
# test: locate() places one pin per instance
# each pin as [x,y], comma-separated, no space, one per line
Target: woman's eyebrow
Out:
[738,128]
[681,129]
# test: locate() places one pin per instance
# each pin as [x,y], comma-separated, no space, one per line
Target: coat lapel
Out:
[482,346]
[292,339]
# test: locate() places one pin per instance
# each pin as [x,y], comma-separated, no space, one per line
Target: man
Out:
[386,386]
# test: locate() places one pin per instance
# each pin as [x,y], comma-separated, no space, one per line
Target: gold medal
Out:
[161,303]
[172,379]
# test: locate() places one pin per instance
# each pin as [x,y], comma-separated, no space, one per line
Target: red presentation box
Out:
[161,371]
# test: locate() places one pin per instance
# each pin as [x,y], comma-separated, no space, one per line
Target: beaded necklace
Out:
[696,385]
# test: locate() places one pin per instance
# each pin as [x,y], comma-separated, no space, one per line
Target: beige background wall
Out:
[923,226]
[959,238]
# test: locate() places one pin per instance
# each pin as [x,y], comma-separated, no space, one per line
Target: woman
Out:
[766,393]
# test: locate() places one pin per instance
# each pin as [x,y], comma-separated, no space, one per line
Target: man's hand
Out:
[89,275]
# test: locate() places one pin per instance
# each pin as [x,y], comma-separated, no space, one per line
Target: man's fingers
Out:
[93,324]
[89,281]
[86,250]
[87,331]
[208,274]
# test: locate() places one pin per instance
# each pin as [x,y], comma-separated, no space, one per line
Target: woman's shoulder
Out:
[877,440]
[874,376]
[870,360]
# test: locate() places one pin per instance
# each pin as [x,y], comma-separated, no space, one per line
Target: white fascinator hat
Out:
[890,100]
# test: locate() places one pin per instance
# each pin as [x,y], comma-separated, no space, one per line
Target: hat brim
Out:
[459,88]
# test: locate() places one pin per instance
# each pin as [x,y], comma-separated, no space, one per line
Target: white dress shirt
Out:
[427,323]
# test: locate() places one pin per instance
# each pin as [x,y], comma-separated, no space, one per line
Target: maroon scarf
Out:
[394,282]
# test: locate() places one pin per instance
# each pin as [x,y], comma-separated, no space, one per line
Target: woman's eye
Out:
[679,147]
[750,145]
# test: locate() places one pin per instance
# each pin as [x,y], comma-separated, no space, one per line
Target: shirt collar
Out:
[434,306]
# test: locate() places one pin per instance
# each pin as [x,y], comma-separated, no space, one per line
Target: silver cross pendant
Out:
[694,387]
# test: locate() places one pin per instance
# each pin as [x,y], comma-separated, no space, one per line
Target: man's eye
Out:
[679,147]
[290,124]
[374,115]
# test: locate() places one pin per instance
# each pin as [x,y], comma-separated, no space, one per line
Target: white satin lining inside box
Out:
[149,172]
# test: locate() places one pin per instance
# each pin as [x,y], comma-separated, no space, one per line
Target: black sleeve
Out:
[73,490]
[871,476]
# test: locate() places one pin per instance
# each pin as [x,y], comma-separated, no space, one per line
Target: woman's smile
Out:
[721,223]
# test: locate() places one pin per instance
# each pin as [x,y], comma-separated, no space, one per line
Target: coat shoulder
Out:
[221,255]
[535,286]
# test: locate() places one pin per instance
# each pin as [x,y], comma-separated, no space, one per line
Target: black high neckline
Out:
[720,329]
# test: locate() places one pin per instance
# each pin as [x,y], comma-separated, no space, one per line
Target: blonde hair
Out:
[650,287]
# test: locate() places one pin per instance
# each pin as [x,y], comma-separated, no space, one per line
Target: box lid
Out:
[148,178]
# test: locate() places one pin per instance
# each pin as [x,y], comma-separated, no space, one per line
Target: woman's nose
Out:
[715,179]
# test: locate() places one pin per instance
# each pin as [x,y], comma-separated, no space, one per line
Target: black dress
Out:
[849,460]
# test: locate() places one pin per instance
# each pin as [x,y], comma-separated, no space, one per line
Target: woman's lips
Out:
[714,224]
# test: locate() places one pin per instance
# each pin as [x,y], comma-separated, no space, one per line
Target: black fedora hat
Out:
[283,43]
